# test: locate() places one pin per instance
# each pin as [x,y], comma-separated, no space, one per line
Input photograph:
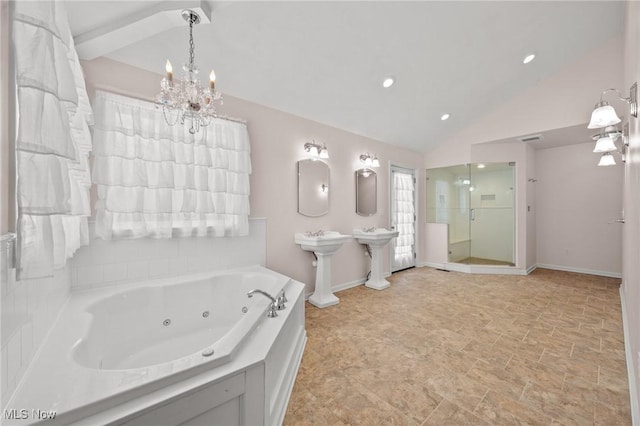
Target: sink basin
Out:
[378,236]
[329,241]
[323,246]
[375,239]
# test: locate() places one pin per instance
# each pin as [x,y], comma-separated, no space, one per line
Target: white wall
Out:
[562,100]
[531,231]
[631,229]
[575,201]
[277,140]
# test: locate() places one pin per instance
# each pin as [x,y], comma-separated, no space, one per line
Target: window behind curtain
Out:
[156,180]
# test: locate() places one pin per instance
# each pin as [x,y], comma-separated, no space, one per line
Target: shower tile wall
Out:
[29,308]
[117,262]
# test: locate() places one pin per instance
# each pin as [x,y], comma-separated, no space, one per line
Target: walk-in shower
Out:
[476,201]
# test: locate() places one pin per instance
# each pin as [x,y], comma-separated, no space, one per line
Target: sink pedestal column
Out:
[376,280]
[322,295]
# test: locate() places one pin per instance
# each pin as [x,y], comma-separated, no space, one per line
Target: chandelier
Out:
[185,100]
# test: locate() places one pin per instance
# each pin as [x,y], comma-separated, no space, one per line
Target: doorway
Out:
[403,218]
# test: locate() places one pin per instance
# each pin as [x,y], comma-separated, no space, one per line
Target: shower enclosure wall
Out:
[476,201]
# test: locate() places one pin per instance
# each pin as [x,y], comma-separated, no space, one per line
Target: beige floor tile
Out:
[452,349]
[449,413]
[499,410]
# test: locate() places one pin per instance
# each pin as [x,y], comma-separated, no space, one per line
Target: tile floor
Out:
[445,348]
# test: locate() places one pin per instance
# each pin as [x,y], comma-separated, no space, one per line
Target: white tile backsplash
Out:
[29,309]
[116,262]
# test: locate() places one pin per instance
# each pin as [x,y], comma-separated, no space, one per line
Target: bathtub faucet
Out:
[272,307]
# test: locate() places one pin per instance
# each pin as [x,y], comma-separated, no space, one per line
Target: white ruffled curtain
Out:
[404,208]
[156,180]
[53,141]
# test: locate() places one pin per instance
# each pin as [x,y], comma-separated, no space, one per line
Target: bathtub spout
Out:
[272,307]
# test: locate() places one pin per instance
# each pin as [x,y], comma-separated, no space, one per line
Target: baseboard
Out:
[580,270]
[631,366]
[531,269]
[344,286]
[434,265]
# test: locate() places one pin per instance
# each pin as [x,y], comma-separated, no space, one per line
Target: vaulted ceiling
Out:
[326,60]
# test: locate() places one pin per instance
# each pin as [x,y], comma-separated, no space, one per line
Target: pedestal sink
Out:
[323,245]
[376,239]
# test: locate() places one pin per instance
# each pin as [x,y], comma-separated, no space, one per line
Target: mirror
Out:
[313,188]
[366,192]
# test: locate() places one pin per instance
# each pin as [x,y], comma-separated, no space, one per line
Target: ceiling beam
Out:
[157,18]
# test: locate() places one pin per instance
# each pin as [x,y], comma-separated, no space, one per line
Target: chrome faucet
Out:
[318,233]
[372,229]
[273,307]
[281,300]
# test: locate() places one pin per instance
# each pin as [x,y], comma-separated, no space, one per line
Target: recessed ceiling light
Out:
[388,82]
[528,58]
[445,117]
[481,166]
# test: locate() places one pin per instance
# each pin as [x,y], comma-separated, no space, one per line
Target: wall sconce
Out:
[316,150]
[606,144]
[605,140]
[604,115]
[369,161]
[324,187]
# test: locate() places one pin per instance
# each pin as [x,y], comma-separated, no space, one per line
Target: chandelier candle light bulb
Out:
[212,80]
[169,69]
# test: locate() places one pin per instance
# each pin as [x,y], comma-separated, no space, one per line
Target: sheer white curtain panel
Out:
[159,181]
[53,140]
[405,211]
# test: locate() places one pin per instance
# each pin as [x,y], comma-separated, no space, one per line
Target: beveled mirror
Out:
[366,192]
[313,188]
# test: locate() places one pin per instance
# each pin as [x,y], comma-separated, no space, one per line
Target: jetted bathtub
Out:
[143,353]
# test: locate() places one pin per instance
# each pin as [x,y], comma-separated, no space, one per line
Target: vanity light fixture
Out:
[369,161]
[185,100]
[528,58]
[316,150]
[604,115]
[607,160]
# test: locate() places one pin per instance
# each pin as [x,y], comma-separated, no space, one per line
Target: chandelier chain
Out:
[191,45]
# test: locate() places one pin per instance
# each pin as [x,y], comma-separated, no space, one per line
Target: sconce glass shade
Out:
[369,161]
[605,144]
[603,115]
[607,160]
[316,150]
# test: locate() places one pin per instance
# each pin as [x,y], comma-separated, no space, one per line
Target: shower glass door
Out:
[476,201]
[491,215]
